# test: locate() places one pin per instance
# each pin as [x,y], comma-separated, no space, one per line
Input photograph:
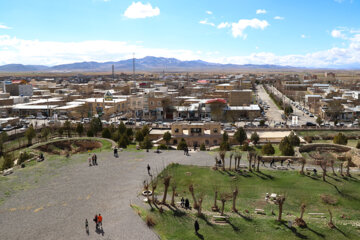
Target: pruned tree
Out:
[200,201]
[341,169]
[237,160]
[348,164]
[332,162]
[300,221]
[230,160]
[154,183]
[323,165]
[251,155]
[222,155]
[258,159]
[166,182]
[173,188]
[224,197]
[215,207]
[280,202]
[191,190]
[303,162]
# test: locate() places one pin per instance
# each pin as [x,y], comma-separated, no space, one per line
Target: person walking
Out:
[96,221]
[89,159]
[288,163]
[99,219]
[263,162]
[272,163]
[95,157]
[148,169]
[282,161]
[182,202]
[87,226]
[196,226]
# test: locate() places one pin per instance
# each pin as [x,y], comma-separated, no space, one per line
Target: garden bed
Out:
[70,146]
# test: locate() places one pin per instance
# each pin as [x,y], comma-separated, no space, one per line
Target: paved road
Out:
[58,206]
[273,114]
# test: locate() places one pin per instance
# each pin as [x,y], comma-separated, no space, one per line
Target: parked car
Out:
[30,117]
[63,117]
[310,124]
[86,120]
[8,128]
[178,119]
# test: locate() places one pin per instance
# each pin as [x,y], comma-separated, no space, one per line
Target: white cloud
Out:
[239,27]
[336,33]
[209,12]
[303,36]
[206,22]
[279,18]
[15,50]
[2,26]
[140,10]
[260,11]
[223,25]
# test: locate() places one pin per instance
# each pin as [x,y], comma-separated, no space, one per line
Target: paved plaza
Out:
[56,208]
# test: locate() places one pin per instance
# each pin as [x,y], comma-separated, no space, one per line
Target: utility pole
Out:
[133,66]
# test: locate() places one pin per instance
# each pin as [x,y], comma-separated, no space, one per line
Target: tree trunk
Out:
[235,193]
[238,166]
[153,193]
[199,206]
[258,164]
[173,196]
[250,159]
[302,211]
[332,168]
[230,162]
[280,211]
[222,207]
[223,167]
[235,161]
[191,189]
[215,207]
[341,169]
[331,224]
[165,193]
[348,168]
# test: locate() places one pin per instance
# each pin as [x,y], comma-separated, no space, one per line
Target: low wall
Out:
[315,146]
[280,158]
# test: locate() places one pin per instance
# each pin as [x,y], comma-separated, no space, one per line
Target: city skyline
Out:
[306,34]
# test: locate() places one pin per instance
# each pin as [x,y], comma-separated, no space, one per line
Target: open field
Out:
[252,189]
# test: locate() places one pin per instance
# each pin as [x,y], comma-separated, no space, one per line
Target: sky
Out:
[306,33]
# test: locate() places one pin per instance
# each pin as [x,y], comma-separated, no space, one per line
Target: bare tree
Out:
[231,156]
[215,207]
[303,162]
[216,162]
[166,185]
[332,162]
[191,190]
[323,165]
[341,169]
[224,197]
[249,159]
[300,221]
[200,201]
[280,201]
[154,183]
[234,195]
[348,164]
[258,158]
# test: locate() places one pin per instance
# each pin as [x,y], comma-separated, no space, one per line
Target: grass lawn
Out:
[252,189]
[256,148]
[315,133]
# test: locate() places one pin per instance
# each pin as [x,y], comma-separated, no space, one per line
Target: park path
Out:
[57,207]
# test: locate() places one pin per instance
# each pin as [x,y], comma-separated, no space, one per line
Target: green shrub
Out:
[123,142]
[255,138]
[358,145]
[268,149]
[294,139]
[245,147]
[162,147]
[106,133]
[90,133]
[8,162]
[287,150]
[340,139]
[202,147]
[146,144]
[23,157]
[182,145]
[224,146]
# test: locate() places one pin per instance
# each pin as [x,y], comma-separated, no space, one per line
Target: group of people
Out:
[185,203]
[98,224]
[288,163]
[92,160]
[186,151]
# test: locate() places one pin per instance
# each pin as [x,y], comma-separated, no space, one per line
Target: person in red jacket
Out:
[99,220]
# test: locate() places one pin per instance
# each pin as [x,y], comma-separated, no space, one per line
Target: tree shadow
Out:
[267,175]
[337,229]
[259,176]
[297,234]
[245,217]
[203,217]
[312,177]
[317,233]
[334,178]
[235,228]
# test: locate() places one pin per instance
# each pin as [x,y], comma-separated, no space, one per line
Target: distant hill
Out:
[142,64]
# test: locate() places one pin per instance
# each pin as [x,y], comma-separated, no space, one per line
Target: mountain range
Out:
[142,64]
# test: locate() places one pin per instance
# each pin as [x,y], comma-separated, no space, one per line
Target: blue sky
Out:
[309,33]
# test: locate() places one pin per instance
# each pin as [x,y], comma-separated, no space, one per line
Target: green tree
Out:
[139,137]
[45,132]
[8,162]
[255,138]
[225,137]
[167,137]
[130,133]
[106,133]
[202,147]
[245,147]
[340,139]
[60,131]
[224,146]
[146,144]
[145,130]
[122,128]
[268,149]
[262,123]
[67,127]
[240,135]
[287,150]
[319,121]
[288,110]
[96,125]
[90,133]
[284,142]
[182,144]
[80,129]
[30,134]
[294,139]
[123,142]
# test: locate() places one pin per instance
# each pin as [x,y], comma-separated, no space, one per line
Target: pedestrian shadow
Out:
[199,235]
[297,234]
[317,233]
[100,231]
[340,231]
[244,217]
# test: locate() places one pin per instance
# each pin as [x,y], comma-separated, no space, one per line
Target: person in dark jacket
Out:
[196,226]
